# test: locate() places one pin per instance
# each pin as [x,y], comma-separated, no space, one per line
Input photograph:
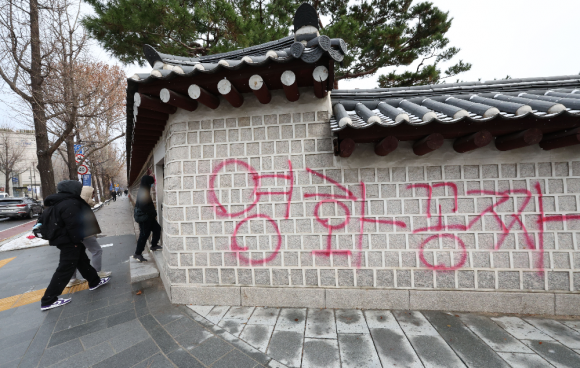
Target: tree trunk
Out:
[98,182]
[7,188]
[7,171]
[38,109]
[70,156]
[106,191]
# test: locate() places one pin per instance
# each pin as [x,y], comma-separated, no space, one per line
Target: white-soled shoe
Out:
[74,282]
[103,282]
[59,303]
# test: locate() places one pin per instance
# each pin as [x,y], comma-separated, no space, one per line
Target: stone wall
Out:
[255,199]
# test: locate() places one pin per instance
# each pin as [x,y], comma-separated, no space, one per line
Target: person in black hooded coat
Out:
[145,215]
[76,221]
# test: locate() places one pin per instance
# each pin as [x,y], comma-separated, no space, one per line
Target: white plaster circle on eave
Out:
[224,86]
[194,91]
[164,95]
[256,82]
[288,78]
[556,109]
[320,73]
[308,30]
[491,112]
[523,110]
[402,117]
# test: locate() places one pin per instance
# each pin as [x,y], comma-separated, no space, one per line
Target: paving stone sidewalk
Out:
[300,337]
[113,326]
[124,325]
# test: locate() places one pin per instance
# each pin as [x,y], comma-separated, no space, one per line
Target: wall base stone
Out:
[207,295]
[367,299]
[454,301]
[568,304]
[283,297]
[481,301]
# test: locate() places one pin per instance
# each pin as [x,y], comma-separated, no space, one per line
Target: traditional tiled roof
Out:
[305,59]
[166,66]
[509,100]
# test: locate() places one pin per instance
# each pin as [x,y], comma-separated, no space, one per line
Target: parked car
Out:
[4,195]
[20,207]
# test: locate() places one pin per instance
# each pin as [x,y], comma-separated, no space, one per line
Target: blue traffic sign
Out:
[87,180]
[78,149]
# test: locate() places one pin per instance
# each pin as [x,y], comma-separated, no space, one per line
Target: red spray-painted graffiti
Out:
[344,199]
[256,179]
[338,199]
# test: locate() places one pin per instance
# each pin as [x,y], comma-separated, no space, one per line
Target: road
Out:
[11,228]
[6,224]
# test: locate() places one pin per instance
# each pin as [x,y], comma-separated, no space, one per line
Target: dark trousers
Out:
[145,229]
[72,257]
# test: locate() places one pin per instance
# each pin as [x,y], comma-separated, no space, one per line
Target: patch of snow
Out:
[106,245]
[24,241]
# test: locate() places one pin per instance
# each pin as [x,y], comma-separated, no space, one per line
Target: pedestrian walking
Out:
[145,215]
[114,195]
[90,241]
[69,221]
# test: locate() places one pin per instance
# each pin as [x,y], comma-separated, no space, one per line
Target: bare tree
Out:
[98,114]
[44,61]
[11,156]
[26,50]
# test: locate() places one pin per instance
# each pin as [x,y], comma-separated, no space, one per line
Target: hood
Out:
[147,180]
[53,199]
[70,186]
[87,195]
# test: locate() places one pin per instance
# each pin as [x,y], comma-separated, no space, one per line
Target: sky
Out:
[519,38]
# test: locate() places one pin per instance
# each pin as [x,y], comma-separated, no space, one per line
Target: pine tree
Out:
[379,33]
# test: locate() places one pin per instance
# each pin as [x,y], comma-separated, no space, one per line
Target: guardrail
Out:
[96,208]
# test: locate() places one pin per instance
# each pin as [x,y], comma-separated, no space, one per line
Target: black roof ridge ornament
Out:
[306,19]
[151,55]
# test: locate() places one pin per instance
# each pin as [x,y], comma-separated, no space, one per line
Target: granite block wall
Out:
[257,198]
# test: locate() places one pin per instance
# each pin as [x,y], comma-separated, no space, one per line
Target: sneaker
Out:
[139,258]
[156,247]
[59,303]
[104,274]
[103,282]
[74,282]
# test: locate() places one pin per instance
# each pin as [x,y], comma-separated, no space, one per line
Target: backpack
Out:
[48,225]
[139,215]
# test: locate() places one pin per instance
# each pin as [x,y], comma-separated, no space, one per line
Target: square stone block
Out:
[207,295]
[367,299]
[568,304]
[474,301]
[283,297]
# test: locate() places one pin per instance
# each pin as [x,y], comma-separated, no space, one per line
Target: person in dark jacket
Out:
[75,221]
[145,215]
[114,195]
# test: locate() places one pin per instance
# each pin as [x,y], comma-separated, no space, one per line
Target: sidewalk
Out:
[124,325]
[113,326]
[299,337]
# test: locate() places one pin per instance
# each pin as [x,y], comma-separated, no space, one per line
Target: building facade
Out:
[273,189]
[25,178]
